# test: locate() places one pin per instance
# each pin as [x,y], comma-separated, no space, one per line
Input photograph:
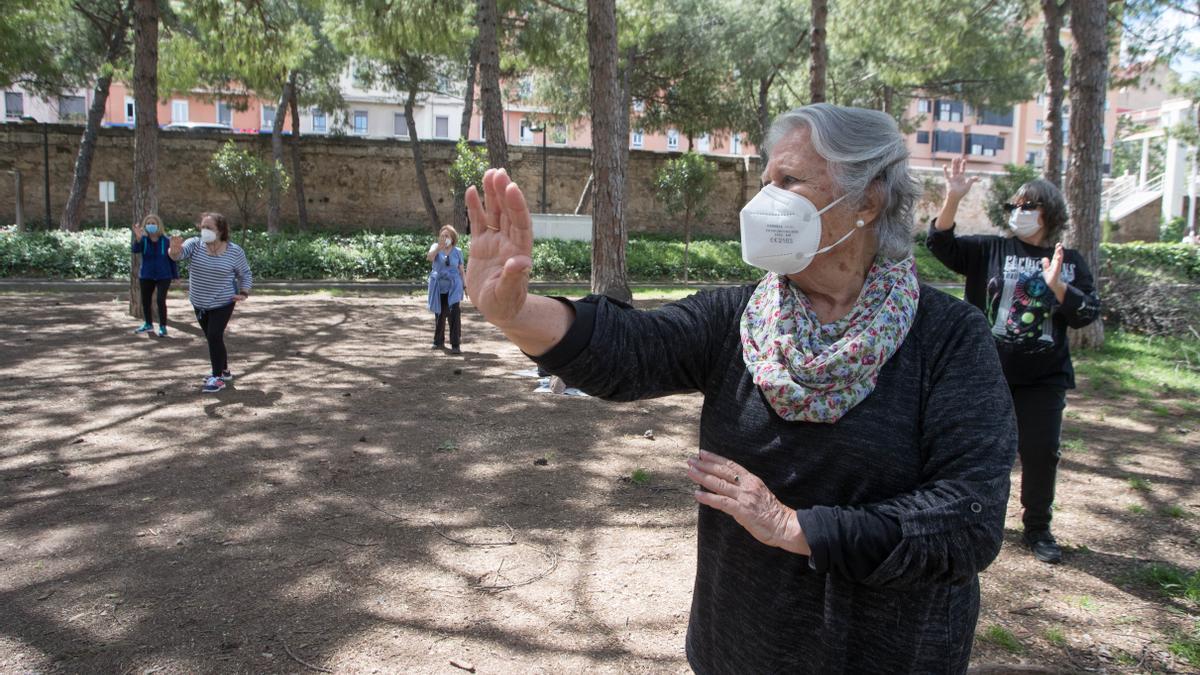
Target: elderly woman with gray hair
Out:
[848,498]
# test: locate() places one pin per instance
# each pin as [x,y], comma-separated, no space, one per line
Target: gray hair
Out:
[865,151]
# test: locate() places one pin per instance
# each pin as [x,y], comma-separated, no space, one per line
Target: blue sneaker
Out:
[212,385]
[162,331]
[146,328]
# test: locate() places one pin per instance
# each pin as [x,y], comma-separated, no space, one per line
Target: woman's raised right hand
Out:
[138,230]
[958,184]
[501,248]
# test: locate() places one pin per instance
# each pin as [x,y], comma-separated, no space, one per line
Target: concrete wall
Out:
[358,182]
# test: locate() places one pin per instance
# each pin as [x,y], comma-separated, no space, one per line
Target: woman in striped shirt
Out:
[218,278]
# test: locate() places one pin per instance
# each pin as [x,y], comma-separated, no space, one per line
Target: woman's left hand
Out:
[1052,273]
[240,297]
[741,494]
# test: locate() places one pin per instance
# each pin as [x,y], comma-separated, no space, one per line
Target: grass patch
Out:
[1175,512]
[1139,484]
[447,446]
[1137,509]
[1138,365]
[1187,646]
[1074,445]
[1055,636]
[1172,581]
[1002,638]
[640,477]
[1084,602]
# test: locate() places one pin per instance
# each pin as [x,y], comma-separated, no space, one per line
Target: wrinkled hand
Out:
[176,246]
[733,490]
[240,297]
[958,184]
[501,245]
[1052,273]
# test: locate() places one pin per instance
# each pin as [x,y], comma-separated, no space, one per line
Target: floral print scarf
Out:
[811,372]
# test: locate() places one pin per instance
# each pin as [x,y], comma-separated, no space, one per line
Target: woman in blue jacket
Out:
[446,288]
[156,272]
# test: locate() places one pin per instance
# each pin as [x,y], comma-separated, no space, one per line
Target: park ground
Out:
[356,503]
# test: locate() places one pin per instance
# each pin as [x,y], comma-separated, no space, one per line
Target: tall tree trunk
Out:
[464,131]
[419,162]
[1089,81]
[764,113]
[818,56]
[145,132]
[297,167]
[489,81]
[73,211]
[276,196]
[608,219]
[1053,12]
[687,241]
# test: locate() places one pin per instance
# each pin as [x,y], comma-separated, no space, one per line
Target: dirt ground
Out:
[357,503]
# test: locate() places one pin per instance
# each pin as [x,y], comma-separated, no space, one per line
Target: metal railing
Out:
[1125,187]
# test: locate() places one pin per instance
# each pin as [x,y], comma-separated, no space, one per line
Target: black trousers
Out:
[147,288]
[454,313]
[213,323]
[1039,425]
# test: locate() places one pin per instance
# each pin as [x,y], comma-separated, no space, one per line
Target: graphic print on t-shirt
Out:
[1020,303]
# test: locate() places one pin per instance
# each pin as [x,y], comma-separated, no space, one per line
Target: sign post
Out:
[108,193]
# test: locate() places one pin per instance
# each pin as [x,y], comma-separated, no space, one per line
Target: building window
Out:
[639,106]
[526,131]
[999,118]
[923,137]
[399,125]
[924,105]
[268,117]
[735,144]
[14,104]
[130,111]
[525,88]
[559,134]
[482,130]
[224,114]
[360,122]
[950,111]
[702,143]
[1039,126]
[319,122]
[1041,99]
[638,138]
[672,139]
[179,111]
[71,108]
[441,127]
[1030,158]
[947,141]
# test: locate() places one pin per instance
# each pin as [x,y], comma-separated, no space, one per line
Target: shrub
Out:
[1151,288]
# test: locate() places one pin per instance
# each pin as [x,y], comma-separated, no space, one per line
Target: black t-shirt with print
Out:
[1029,325]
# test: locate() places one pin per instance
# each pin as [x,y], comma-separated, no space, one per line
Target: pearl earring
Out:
[860,223]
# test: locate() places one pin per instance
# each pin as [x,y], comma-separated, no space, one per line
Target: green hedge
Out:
[104,254]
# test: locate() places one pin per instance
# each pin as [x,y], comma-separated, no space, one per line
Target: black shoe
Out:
[455,350]
[1044,547]
[437,345]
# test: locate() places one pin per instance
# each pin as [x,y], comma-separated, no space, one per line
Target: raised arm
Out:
[953,252]
[497,276]
[175,250]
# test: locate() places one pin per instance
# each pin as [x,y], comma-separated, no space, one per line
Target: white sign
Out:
[108,191]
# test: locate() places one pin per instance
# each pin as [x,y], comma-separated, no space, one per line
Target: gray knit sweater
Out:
[902,500]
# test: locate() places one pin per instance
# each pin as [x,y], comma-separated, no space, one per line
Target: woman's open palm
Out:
[501,245]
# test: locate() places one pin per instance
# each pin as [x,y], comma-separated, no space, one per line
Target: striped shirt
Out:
[213,280]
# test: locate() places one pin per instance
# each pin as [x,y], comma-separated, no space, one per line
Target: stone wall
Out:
[352,182]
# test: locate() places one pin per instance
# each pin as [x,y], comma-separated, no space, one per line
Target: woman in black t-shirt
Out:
[1031,289]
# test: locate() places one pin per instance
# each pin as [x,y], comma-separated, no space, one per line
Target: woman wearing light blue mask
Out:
[156,271]
[1031,289]
[847,499]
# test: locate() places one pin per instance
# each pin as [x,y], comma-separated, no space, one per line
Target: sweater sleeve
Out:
[952,526]
[957,253]
[245,278]
[619,353]
[1081,304]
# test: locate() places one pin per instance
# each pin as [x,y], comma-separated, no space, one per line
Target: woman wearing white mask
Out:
[156,272]
[1030,289]
[218,278]
[446,288]
[847,498]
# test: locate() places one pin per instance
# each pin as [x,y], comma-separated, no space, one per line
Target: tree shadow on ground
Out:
[352,500]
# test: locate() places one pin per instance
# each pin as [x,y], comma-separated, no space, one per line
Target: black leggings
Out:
[1039,424]
[149,286]
[213,322]
[454,313]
